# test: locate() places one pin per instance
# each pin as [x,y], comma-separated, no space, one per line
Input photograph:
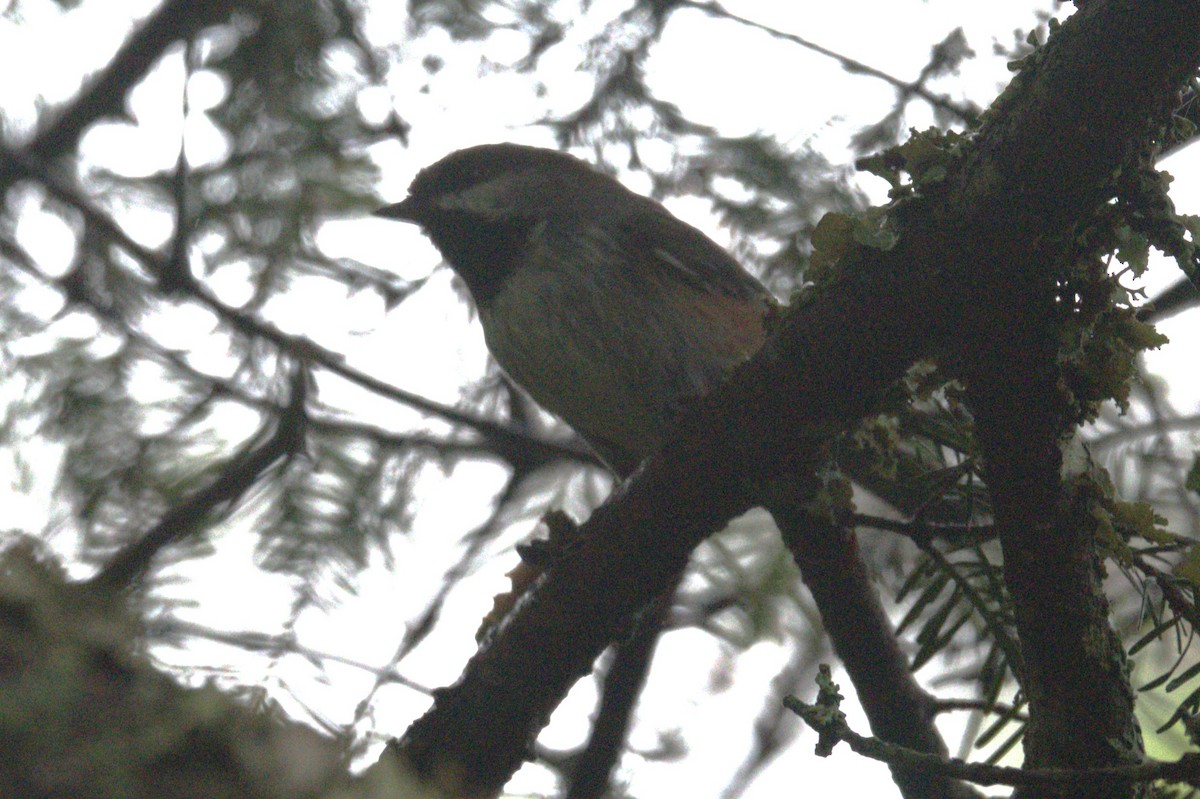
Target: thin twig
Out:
[851,65]
[830,723]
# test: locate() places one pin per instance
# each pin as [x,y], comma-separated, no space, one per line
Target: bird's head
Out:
[482,206]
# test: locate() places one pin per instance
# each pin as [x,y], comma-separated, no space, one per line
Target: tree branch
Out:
[898,709]
[619,692]
[104,95]
[235,479]
[830,723]
[851,65]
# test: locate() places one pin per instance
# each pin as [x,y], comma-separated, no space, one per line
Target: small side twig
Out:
[826,717]
[287,439]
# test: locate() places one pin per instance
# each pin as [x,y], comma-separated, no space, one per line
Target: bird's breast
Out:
[615,352]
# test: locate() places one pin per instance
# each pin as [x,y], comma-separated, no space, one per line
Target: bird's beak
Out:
[401,210]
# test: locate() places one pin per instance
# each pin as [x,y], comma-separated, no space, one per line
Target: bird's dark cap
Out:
[404,210]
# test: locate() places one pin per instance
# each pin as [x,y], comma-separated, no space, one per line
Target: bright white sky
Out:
[713,71]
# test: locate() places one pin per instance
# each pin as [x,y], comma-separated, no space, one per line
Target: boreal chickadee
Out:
[608,310]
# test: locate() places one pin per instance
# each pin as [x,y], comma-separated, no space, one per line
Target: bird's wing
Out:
[658,236]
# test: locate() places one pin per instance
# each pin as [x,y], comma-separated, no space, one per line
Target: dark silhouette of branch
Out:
[898,709]
[620,688]
[317,421]
[234,480]
[1180,296]
[950,705]
[921,531]
[1073,670]
[169,628]
[851,65]
[105,94]
[830,723]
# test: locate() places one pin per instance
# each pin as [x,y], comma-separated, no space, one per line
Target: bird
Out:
[610,312]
